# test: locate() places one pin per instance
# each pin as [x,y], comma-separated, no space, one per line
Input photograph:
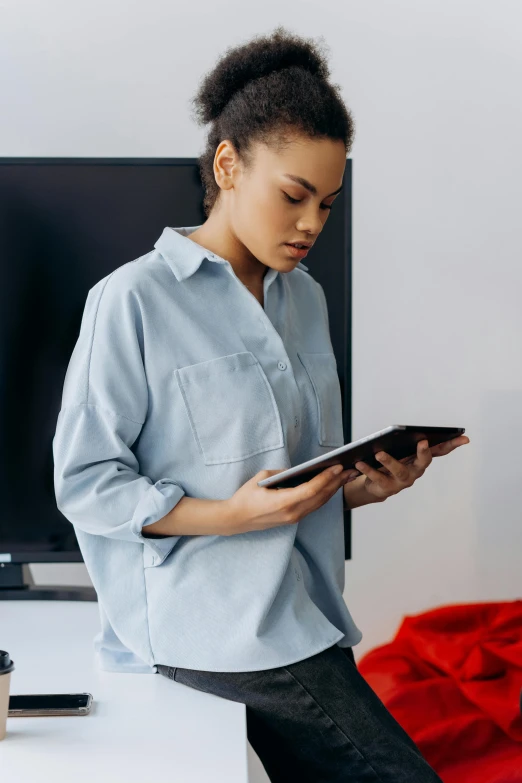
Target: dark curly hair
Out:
[257,91]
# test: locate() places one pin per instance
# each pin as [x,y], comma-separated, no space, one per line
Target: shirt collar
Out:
[184,256]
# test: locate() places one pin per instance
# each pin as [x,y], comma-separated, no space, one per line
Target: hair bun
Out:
[259,57]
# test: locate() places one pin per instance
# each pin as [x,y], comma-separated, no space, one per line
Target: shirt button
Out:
[296,421]
[281,365]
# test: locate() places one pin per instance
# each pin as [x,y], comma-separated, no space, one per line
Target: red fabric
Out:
[452,678]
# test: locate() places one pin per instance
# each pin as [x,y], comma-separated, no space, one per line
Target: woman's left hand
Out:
[396,475]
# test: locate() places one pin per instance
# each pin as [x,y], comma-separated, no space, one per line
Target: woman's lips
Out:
[296,252]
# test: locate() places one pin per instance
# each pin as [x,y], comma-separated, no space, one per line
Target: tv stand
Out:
[17,584]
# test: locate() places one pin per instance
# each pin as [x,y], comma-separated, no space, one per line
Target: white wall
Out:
[435,91]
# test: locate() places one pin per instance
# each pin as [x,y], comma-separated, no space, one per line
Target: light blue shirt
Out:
[181,383]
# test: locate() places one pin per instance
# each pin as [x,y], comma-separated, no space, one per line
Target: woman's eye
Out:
[298,201]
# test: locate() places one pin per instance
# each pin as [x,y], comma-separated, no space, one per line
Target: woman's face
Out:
[265,208]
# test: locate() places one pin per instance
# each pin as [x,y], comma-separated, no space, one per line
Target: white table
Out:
[141,729]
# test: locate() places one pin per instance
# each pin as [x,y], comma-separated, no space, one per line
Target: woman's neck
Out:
[248,269]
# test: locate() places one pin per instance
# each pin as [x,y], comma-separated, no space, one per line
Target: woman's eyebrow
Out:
[309,186]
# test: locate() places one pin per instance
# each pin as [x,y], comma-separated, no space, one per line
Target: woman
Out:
[201,368]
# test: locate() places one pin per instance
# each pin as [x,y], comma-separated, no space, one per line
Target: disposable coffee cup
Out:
[6,667]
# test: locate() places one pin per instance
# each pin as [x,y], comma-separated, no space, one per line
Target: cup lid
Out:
[6,664]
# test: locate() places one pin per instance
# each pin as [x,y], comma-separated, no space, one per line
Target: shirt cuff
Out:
[157,501]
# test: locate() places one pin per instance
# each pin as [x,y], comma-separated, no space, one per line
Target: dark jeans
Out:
[317,721]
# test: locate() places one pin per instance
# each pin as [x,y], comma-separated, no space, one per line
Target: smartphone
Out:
[398,440]
[29,705]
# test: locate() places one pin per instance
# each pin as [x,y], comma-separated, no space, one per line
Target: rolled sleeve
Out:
[157,501]
[97,480]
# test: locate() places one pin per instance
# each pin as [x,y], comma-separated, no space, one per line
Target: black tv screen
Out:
[64,224]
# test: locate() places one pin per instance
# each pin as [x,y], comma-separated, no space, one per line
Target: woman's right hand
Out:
[256,508]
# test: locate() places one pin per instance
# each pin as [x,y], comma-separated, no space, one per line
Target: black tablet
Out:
[398,440]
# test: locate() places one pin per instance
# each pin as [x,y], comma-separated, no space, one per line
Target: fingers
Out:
[350,474]
[382,480]
[424,456]
[341,475]
[398,471]
[312,494]
[331,476]
[395,474]
[418,463]
[290,504]
[446,448]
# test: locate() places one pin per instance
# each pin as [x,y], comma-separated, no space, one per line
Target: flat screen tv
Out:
[64,224]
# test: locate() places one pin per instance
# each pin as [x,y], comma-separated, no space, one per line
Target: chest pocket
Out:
[231,406]
[321,368]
